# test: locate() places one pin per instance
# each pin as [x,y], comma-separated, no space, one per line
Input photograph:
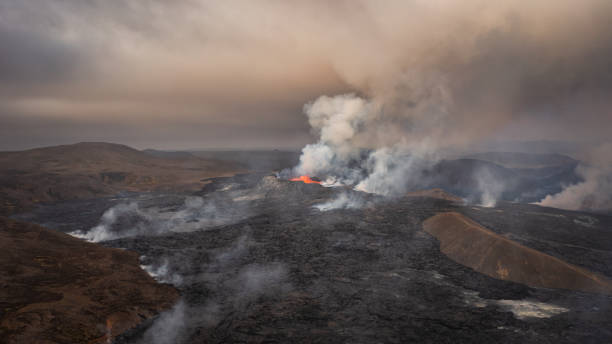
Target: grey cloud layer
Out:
[475,66]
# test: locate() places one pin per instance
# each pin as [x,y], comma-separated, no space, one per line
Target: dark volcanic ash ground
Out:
[259,259]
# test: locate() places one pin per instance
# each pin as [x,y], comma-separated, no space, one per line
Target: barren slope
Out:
[470,244]
[58,289]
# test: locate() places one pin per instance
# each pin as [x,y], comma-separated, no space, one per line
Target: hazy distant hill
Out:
[169,154]
[260,160]
[534,147]
[470,177]
[524,160]
[93,169]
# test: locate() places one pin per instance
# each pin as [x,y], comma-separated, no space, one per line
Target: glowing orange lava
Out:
[305,179]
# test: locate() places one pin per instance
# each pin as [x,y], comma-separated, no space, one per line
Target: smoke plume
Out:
[455,74]
[344,200]
[353,147]
[595,192]
[163,272]
[490,188]
[169,327]
[228,282]
[196,213]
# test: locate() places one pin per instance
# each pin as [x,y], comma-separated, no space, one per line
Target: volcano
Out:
[267,264]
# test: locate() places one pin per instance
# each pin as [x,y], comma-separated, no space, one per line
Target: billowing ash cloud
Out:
[354,149]
[337,121]
[452,74]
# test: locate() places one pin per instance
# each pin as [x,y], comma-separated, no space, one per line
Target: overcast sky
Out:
[236,74]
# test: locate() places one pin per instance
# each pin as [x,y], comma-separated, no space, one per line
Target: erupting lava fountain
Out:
[305,179]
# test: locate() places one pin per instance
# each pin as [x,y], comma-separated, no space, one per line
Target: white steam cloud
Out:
[233,287]
[172,326]
[434,75]
[490,188]
[337,121]
[130,219]
[343,201]
[595,192]
[163,272]
[169,327]
[354,146]
[103,232]
[258,280]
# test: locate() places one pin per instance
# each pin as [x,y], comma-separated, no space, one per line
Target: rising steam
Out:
[595,192]
[133,219]
[353,149]
[232,284]
[448,75]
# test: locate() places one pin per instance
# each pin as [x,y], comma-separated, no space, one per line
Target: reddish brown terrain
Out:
[59,289]
[92,169]
[472,245]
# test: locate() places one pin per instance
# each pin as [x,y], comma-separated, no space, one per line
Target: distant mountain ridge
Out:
[468,178]
[92,169]
[168,154]
[524,160]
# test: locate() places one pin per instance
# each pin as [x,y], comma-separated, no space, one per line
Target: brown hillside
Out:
[472,245]
[92,169]
[58,289]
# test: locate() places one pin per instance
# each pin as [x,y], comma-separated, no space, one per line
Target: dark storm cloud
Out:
[448,70]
